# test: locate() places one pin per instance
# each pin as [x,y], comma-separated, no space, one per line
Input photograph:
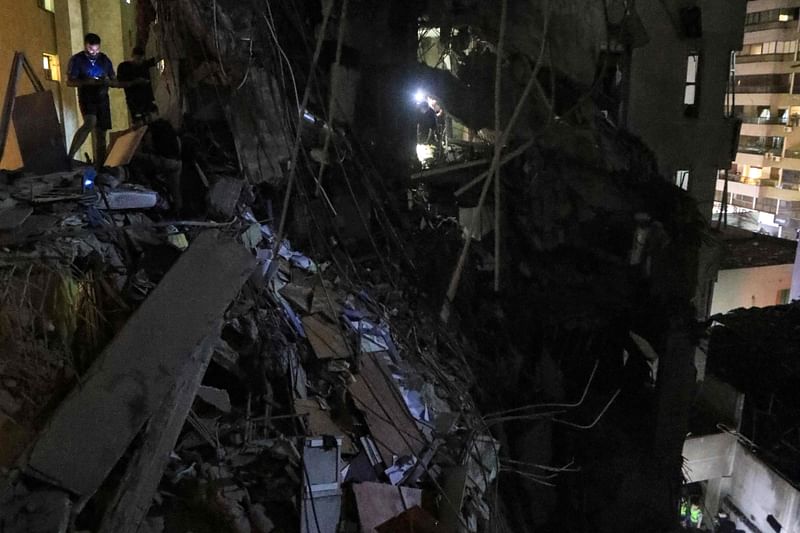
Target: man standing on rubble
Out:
[92,72]
[134,77]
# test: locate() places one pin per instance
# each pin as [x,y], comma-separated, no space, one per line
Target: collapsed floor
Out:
[203,375]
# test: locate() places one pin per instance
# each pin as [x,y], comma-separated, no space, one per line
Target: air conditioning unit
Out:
[787,129]
[777,159]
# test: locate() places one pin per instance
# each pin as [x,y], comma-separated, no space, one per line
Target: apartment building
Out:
[49,32]
[763,185]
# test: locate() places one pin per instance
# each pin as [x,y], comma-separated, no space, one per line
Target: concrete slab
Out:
[131,379]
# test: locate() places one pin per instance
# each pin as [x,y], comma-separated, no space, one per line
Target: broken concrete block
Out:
[219,398]
[223,196]
[128,197]
[298,295]
[259,519]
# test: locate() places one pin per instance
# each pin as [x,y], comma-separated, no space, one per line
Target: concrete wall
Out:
[759,491]
[658,75]
[750,287]
[69,36]
[709,457]
[113,21]
[737,474]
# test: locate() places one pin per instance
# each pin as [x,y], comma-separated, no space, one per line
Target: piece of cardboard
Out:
[124,147]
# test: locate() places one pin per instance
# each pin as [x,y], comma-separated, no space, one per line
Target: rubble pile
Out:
[257,388]
[320,399]
[71,271]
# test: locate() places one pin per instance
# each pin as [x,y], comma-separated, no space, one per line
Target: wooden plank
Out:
[378,503]
[8,102]
[124,147]
[327,341]
[39,133]
[130,380]
[394,431]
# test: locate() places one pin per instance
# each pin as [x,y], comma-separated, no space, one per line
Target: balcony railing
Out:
[762,120]
[793,153]
[760,150]
[758,182]
[774,25]
[764,57]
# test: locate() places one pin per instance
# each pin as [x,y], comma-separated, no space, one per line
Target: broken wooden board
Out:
[39,134]
[319,422]
[130,380]
[377,503]
[326,339]
[390,424]
[124,147]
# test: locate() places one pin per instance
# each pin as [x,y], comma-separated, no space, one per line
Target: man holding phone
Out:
[92,72]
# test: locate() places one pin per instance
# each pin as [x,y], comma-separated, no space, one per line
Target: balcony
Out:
[760,150]
[773,25]
[765,129]
[764,58]
[762,120]
[758,188]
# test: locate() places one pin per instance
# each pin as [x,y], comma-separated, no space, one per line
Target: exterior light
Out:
[419,96]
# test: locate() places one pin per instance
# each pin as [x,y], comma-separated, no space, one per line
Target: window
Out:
[682,179]
[50,65]
[771,16]
[771,47]
[763,83]
[690,90]
[783,299]
[48,5]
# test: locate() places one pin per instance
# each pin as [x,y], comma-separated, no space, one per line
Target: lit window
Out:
[690,90]
[51,67]
[682,179]
[783,17]
[48,5]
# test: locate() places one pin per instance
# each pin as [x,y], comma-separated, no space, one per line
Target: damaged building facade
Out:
[332,332]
